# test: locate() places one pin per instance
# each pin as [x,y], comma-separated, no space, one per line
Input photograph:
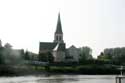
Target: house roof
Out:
[72,47]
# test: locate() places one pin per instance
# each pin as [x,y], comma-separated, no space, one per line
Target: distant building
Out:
[58,48]
[73,54]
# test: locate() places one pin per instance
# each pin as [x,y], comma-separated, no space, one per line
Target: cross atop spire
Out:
[59,26]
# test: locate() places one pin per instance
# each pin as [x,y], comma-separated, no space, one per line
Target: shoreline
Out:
[37,73]
[56,70]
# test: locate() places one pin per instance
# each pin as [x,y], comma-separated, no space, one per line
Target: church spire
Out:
[59,26]
[58,38]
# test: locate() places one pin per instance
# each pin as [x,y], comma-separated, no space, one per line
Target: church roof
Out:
[51,46]
[59,26]
[47,45]
[56,47]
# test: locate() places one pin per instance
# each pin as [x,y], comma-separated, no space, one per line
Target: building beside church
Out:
[58,48]
[72,54]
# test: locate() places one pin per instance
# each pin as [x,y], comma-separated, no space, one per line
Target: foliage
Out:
[114,54]
[104,57]
[85,53]
[1,56]
[9,55]
[46,57]
[26,56]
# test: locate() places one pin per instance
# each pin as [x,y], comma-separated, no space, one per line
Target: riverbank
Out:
[51,70]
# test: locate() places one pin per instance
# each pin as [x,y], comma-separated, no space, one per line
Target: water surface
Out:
[60,79]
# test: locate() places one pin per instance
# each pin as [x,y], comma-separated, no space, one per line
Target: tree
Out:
[85,53]
[104,57]
[26,56]
[115,54]
[1,56]
[8,46]
[46,57]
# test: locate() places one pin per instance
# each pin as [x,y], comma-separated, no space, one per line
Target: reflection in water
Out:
[59,79]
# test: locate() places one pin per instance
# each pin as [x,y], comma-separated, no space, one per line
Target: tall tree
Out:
[26,56]
[85,53]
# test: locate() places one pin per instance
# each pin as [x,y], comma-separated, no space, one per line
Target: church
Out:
[58,48]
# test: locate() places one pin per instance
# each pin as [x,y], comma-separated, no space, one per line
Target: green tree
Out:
[104,57]
[46,57]
[1,56]
[115,55]
[26,56]
[85,53]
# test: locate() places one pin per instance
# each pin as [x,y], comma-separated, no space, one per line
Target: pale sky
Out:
[98,24]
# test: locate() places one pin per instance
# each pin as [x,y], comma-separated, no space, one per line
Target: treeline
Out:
[10,56]
[14,61]
[114,55]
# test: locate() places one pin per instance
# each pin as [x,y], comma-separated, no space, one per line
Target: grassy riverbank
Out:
[86,69]
[79,69]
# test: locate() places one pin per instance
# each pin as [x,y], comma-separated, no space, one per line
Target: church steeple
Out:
[58,38]
[59,26]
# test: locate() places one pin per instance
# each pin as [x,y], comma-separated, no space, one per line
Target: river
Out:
[60,79]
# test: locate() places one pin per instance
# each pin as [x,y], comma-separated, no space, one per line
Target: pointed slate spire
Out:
[58,37]
[59,26]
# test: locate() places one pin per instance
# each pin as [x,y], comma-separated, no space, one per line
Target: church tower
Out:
[58,37]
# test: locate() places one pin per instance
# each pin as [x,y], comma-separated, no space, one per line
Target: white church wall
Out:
[59,56]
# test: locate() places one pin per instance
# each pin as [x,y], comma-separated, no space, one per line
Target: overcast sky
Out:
[98,24]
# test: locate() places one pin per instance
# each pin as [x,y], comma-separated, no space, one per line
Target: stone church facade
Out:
[58,48]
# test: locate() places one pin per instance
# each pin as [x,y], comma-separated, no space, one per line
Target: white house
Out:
[73,54]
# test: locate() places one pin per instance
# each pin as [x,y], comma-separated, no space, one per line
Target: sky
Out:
[98,24]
